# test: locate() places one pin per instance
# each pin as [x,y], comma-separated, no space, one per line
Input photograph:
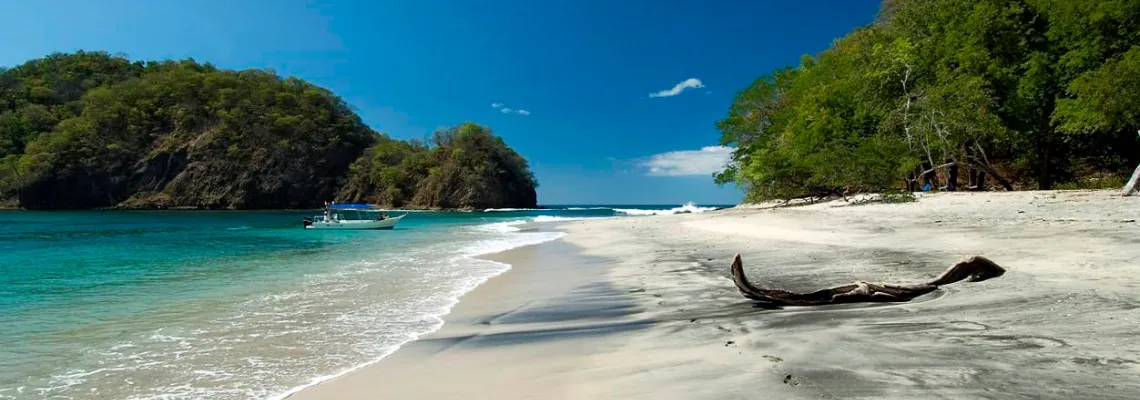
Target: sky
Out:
[611,102]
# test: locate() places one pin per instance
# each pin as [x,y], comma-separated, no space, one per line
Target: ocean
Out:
[234,304]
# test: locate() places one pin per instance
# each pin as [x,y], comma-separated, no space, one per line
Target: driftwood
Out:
[1133,184]
[972,269]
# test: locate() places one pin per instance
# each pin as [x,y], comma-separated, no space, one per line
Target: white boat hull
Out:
[387,223]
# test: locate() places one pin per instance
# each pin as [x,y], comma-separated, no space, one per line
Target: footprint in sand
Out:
[966,326]
[1011,341]
[1041,341]
[1102,361]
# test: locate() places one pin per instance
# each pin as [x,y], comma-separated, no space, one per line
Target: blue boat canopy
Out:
[351,206]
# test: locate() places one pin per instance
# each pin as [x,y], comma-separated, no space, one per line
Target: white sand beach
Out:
[645,308]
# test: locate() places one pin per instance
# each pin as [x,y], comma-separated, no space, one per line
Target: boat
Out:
[351,216]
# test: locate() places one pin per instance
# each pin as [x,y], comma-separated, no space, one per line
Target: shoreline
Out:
[644,307]
[522,304]
[442,320]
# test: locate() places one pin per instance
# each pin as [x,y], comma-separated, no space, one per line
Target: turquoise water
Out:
[221,305]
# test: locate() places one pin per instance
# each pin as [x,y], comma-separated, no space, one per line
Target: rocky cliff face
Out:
[189,177]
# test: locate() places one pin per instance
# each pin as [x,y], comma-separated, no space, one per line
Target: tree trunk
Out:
[952,177]
[1132,186]
[1045,174]
[989,170]
[1044,149]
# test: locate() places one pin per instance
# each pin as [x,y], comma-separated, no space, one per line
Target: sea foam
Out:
[465,261]
[689,207]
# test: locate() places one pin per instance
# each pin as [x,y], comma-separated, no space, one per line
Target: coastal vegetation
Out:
[460,167]
[1031,94]
[93,130]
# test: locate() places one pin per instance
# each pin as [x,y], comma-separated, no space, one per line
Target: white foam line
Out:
[549,218]
[439,318]
[689,207]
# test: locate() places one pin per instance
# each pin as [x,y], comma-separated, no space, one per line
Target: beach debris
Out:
[773,358]
[638,290]
[971,269]
[788,379]
[1133,184]
[729,343]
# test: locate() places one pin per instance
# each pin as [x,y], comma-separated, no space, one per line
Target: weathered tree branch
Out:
[1131,188]
[971,269]
[990,170]
[938,167]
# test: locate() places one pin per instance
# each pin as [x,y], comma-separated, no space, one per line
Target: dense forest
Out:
[460,167]
[1015,94]
[92,130]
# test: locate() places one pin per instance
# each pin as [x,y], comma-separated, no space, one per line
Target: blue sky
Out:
[584,70]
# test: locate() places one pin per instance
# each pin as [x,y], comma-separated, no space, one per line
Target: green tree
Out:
[1032,92]
[467,167]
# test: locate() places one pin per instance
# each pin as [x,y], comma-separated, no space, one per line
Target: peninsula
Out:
[92,130]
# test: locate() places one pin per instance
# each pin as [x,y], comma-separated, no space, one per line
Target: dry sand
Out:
[644,308]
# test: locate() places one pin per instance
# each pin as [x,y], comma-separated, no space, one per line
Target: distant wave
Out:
[689,207]
[512,225]
[502,227]
[551,218]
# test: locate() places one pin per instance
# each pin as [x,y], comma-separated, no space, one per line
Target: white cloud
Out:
[506,110]
[691,83]
[688,162]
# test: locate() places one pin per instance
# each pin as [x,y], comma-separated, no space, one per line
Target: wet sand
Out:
[645,308]
[520,335]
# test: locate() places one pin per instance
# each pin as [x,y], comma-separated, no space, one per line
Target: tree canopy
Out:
[89,129]
[461,167]
[1032,92]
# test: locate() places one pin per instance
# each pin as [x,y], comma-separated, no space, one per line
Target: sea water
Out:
[233,305]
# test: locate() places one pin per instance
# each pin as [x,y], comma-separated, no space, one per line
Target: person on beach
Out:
[928,182]
[951,175]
